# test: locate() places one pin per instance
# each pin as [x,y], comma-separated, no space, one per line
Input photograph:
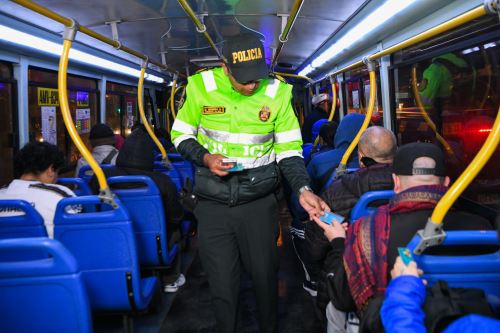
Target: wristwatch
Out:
[303,189]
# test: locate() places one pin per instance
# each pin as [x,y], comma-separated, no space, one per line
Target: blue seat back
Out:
[29,224]
[184,167]
[306,151]
[86,172]
[104,246]
[144,204]
[45,295]
[363,205]
[171,172]
[470,271]
[80,187]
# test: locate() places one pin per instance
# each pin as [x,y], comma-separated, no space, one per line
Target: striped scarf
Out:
[365,256]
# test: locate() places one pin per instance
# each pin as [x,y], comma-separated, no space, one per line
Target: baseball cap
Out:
[407,154]
[320,98]
[245,58]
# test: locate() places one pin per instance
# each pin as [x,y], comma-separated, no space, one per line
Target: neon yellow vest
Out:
[256,130]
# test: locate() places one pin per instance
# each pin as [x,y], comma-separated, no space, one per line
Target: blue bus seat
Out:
[306,151]
[362,206]
[86,172]
[45,295]
[185,168]
[144,204]
[80,186]
[174,175]
[28,224]
[468,271]
[104,246]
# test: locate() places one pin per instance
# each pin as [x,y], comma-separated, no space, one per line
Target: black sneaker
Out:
[310,287]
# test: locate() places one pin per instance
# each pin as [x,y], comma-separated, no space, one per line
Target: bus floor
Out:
[189,310]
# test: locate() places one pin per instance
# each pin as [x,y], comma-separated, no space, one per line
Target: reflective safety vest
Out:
[256,130]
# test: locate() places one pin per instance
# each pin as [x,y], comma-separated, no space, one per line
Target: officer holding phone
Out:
[239,128]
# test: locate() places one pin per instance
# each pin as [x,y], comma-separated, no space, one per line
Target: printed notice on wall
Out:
[82,122]
[49,128]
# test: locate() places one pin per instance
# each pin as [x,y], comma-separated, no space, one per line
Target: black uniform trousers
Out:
[231,236]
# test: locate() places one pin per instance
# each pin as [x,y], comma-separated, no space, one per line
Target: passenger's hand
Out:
[334,230]
[401,269]
[215,164]
[313,204]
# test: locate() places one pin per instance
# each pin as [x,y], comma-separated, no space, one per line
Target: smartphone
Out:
[330,217]
[405,255]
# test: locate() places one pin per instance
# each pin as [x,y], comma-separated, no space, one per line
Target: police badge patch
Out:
[264,113]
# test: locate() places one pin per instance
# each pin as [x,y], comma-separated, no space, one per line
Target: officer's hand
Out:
[313,204]
[215,164]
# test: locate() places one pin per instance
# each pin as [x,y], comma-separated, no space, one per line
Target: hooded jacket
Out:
[321,166]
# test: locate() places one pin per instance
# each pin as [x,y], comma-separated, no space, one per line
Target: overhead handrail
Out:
[295,76]
[140,101]
[67,22]
[283,38]
[69,36]
[433,233]
[371,65]
[424,113]
[200,27]
[443,27]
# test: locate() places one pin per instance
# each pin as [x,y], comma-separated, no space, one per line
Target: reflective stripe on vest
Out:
[272,87]
[209,81]
[287,136]
[238,138]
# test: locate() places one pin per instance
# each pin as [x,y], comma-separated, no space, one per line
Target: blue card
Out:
[405,255]
[330,217]
[236,167]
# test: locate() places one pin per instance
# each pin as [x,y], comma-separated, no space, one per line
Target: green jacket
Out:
[260,131]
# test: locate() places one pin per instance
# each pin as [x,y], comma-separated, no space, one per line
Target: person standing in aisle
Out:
[238,126]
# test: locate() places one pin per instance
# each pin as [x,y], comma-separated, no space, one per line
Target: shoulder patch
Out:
[51,188]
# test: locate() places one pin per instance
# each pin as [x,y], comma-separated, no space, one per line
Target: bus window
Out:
[460,92]
[357,90]
[45,120]
[6,125]
[121,107]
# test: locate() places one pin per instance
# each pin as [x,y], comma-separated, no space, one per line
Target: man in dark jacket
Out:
[362,257]
[137,158]
[376,149]
[321,107]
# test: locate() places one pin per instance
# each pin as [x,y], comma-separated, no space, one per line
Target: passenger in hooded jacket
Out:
[321,167]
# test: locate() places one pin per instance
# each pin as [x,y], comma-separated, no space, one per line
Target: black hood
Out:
[137,151]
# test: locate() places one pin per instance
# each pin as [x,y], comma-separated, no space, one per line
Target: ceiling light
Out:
[24,39]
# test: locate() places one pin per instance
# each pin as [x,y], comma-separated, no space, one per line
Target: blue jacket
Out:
[321,164]
[402,311]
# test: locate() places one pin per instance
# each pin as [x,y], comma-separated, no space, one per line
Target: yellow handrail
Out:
[172,98]
[366,122]
[295,75]
[443,27]
[68,22]
[426,117]
[68,120]
[469,173]
[334,102]
[140,101]
[289,23]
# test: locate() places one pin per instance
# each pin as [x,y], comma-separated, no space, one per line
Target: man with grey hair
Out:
[376,149]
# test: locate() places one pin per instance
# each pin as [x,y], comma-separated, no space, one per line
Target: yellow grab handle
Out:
[366,122]
[484,154]
[68,120]
[334,102]
[172,98]
[140,100]
[421,108]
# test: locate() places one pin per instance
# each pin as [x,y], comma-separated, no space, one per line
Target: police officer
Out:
[239,112]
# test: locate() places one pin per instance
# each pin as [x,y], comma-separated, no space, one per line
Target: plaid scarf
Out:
[365,256]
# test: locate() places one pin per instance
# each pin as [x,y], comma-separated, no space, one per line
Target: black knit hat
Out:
[245,58]
[407,154]
[137,151]
[101,134]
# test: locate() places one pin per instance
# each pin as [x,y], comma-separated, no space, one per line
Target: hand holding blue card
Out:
[405,255]
[330,217]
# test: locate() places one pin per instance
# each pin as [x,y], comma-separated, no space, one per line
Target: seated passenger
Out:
[361,272]
[376,149]
[402,310]
[103,141]
[322,166]
[137,158]
[36,166]
[321,108]
[326,134]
